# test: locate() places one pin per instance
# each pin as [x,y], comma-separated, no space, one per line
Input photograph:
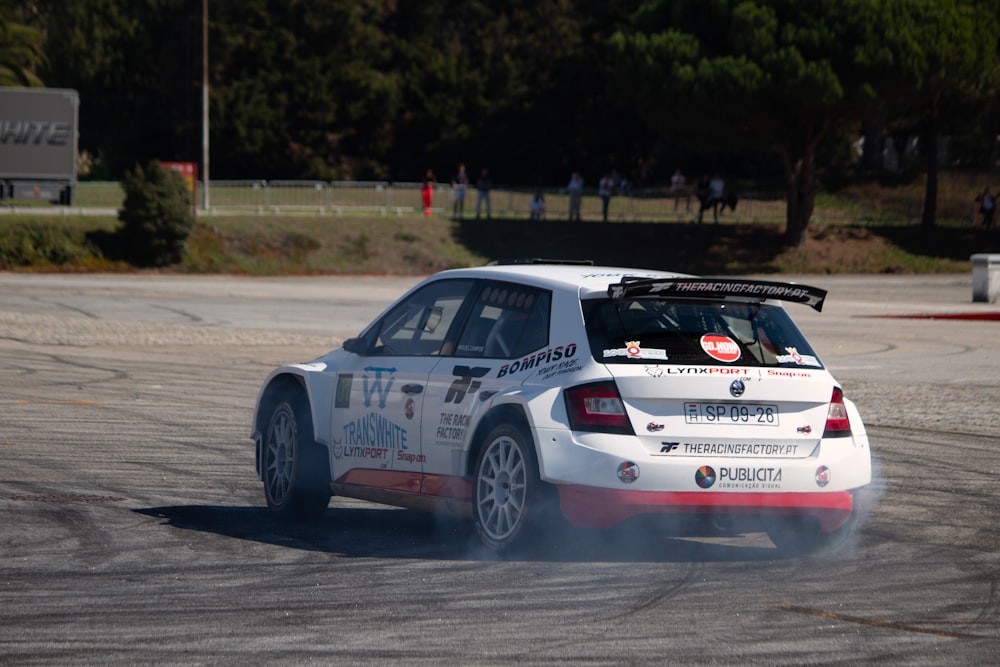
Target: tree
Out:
[157,215]
[940,67]
[340,89]
[20,50]
[520,87]
[770,74]
[136,65]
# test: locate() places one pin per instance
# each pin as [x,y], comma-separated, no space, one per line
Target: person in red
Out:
[427,190]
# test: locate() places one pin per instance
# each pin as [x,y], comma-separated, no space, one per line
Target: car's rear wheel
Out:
[801,537]
[296,469]
[508,496]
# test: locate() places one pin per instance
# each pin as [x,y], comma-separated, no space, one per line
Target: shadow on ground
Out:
[398,533]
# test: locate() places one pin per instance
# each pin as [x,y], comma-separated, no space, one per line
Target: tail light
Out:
[837,423]
[597,407]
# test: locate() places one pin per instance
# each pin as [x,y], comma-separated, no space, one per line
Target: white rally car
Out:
[515,394]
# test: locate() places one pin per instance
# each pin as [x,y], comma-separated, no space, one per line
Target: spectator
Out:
[703,192]
[712,195]
[483,185]
[459,185]
[575,190]
[986,205]
[679,188]
[538,206]
[604,189]
[427,190]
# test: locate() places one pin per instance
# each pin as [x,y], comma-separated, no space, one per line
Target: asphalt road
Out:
[133,529]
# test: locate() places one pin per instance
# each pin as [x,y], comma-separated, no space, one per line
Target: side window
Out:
[419,325]
[506,321]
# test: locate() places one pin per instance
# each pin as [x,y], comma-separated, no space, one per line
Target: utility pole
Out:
[204,104]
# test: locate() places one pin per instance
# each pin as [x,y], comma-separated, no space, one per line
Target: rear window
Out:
[649,330]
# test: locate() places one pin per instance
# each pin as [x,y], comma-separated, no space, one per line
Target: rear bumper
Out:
[596,507]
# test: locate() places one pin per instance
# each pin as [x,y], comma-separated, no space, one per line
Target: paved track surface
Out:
[133,530]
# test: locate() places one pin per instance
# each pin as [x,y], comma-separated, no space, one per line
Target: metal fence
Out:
[384,198]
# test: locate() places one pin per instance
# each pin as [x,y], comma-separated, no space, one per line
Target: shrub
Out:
[42,244]
[157,216]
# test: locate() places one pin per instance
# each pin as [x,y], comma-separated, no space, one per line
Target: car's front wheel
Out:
[508,494]
[296,469]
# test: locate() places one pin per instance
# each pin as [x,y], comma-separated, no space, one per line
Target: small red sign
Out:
[189,170]
[721,348]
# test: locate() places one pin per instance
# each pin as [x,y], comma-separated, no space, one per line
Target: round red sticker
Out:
[721,348]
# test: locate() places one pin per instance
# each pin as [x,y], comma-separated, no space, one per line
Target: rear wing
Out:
[717,288]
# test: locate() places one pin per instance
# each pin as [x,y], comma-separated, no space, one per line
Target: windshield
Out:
[650,330]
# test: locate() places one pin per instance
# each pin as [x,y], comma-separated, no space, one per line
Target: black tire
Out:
[509,505]
[801,537]
[296,469]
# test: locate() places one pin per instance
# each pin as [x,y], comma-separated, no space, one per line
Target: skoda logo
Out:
[737,388]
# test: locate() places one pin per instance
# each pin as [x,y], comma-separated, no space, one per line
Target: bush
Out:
[42,244]
[157,216]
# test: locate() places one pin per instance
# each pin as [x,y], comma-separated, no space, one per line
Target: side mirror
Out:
[356,346]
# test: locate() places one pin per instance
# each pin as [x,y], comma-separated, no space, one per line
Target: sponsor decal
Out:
[811,296]
[788,374]
[562,368]
[377,383]
[739,449]
[406,457]
[704,476]
[359,452]
[709,370]
[749,478]
[633,350]
[721,348]
[374,430]
[628,472]
[343,395]
[793,356]
[653,427]
[822,476]
[452,426]
[667,447]
[653,371]
[551,355]
[616,275]
[465,384]
[409,409]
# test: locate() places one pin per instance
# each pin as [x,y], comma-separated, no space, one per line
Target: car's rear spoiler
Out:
[717,288]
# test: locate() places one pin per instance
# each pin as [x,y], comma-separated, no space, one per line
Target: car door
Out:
[378,401]
[504,325]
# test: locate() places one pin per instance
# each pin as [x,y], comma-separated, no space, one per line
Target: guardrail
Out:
[336,198]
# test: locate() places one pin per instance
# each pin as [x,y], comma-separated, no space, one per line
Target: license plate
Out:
[745,414]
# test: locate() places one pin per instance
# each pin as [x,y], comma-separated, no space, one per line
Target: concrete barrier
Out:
[986,277]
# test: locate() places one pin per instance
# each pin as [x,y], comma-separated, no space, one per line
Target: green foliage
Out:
[943,65]
[157,216]
[340,89]
[43,244]
[788,75]
[21,51]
